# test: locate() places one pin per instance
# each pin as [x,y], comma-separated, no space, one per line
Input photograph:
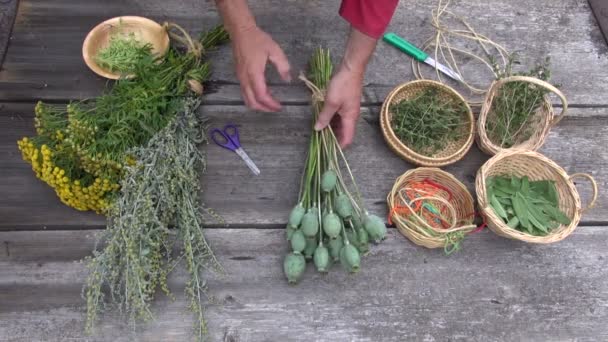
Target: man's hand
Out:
[253,48]
[344,90]
[343,97]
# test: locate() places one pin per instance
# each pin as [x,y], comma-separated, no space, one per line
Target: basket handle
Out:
[594,188]
[556,118]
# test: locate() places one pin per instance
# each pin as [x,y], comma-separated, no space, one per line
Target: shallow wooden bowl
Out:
[144,29]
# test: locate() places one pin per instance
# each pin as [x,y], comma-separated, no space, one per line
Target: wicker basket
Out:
[542,120]
[537,167]
[453,152]
[459,197]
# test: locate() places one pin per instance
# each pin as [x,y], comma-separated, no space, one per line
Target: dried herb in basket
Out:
[428,122]
[529,206]
[515,106]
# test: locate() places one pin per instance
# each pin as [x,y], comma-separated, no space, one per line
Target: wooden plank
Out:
[492,290]
[36,68]
[600,10]
[277,143]
[8,11]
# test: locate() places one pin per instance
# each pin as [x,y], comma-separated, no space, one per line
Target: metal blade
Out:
[248,161]
[444,69]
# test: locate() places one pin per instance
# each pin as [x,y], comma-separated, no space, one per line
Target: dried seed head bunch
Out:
[516,106]
[329,224]
[428,122]
[159,190]
[85,144]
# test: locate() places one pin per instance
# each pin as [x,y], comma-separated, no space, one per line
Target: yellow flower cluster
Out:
[81,194]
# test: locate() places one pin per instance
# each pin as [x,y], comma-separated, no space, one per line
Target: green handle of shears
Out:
[405,46]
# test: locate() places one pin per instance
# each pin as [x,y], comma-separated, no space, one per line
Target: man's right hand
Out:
[252,49]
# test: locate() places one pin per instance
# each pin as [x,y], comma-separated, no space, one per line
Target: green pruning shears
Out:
[419,55]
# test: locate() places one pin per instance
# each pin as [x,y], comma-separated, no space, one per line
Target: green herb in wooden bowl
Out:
[123,53]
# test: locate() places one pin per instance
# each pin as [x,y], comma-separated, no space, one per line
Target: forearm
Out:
[236,15]
[358,51]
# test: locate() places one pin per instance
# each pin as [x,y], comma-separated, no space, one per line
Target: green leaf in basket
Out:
[513,222]
[505,201]
[558,215]
[498,208]
[515,183]
[540,187]
[538,214]
[538,225]
[519,205]
[525,186]
[552,195]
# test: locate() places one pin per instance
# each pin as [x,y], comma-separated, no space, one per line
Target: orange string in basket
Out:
[428,188]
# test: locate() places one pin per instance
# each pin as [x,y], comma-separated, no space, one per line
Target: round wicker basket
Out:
[451,193]
[537,167]
[452,152]
[542,120]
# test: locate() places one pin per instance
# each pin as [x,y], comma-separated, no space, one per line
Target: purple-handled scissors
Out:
[230,140]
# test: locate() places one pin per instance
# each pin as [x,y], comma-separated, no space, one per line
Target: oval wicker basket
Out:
[144,29]
[452,191]
[542,121]
[453,152]
[537,167]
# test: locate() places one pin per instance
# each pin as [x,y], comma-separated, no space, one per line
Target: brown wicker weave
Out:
[537,167]
[462,206]
[453,152]
[542,120]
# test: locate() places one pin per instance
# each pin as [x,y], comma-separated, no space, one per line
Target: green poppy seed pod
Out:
[335,245]
[294,266]
[352,238]
[321,258]
[310,224]
[311,246]
[296,215]
[363,238]
[375,228]
[298,242]
[344,207]
[332,225]
[289,230]
[356,221]
[352,257]
[328,180]
[343,260]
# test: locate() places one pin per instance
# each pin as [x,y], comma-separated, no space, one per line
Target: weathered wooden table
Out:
[494,289]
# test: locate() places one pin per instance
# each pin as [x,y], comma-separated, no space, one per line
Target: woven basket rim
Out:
[403,150]
[497,225]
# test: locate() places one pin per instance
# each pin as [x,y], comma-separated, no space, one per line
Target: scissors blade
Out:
[248,161]
[444,69]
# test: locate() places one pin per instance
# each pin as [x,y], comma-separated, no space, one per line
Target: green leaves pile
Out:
[529,206]
[428,122]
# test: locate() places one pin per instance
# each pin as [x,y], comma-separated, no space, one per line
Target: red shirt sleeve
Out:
[368,16]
